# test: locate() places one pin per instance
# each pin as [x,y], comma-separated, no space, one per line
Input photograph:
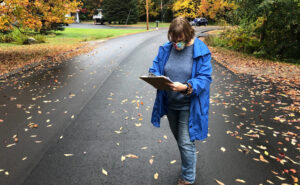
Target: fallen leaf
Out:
[123,158]
[132,156]
[16,139]
[68,155]
[10,145]
[240,180]
[219,182]
[156,176]
[172,162]
[104,172]
[151,161]
[281,178]
[261,157]
[138,124]
[295,179]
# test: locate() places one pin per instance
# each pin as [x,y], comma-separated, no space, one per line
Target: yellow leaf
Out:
[68,155]
[151,161]
[295,179]
[123,158]
[104,172]
[261,157]
[156,176]
[240,180]
[281,178]
[132,156]
[219,182]
[172,162]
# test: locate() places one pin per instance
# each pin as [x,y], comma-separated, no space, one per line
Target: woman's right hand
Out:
[177,86]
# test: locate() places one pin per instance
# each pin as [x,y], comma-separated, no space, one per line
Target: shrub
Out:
[19,37]
[239,39]
[6,38]
[40,38]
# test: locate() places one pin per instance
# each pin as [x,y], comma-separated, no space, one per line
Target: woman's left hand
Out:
[177,86]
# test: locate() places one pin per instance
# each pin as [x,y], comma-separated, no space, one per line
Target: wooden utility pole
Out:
[147,14]
[161,8]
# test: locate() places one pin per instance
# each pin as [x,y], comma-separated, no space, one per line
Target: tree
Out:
[186,8]
[35,14]
[120,11]
[153,9]
[89,8]
[216,9]
[276,23]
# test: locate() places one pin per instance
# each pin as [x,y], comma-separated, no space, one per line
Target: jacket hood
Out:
[200,49]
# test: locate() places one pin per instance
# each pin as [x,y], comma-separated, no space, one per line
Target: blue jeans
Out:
[179,124]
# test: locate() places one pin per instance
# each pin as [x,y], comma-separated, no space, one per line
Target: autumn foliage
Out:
[186,8]
[36,15]
[213,9]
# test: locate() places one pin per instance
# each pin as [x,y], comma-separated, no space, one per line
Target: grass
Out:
[77,35]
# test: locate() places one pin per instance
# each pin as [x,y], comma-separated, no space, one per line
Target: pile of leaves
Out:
[284,74]
[22,56]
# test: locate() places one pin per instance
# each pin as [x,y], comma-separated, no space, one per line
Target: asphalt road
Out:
[93,109]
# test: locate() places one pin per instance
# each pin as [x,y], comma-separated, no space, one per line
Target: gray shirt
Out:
[179,69]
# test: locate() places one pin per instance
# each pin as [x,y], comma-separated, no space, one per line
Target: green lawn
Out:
[76,35]
[93,34]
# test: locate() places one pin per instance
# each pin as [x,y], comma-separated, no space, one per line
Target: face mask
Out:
[179,45]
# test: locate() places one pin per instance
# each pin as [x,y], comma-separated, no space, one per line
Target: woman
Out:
[186,61]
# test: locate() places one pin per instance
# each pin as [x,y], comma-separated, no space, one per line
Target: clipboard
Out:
[158,82]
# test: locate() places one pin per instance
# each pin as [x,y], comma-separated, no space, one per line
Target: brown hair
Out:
[180,26]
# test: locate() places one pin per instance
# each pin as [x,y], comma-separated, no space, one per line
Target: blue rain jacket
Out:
[200,81]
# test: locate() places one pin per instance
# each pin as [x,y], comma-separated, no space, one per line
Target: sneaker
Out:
[182,182]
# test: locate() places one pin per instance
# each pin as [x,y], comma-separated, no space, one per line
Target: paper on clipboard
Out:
[158,82]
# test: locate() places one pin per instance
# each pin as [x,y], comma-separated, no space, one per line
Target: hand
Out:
[177,86]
